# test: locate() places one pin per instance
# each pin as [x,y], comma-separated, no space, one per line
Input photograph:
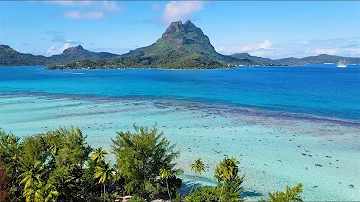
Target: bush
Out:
[206,194]
[290,195]
[136,199]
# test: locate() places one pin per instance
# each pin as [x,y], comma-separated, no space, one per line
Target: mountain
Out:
[185,38]
[291,61]
[324,58]
[181,46]
[259,60]
[10,57]
[79,53]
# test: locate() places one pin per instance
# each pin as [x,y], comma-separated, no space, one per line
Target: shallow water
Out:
[209,114]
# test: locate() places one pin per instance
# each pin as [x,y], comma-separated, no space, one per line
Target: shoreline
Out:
[272,153]
[161,68]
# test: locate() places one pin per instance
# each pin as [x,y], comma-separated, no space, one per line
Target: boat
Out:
[341,64]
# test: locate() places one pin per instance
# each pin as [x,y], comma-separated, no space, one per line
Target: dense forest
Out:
[60,166]
[173,60]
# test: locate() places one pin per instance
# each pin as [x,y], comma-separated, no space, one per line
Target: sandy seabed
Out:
[275,149]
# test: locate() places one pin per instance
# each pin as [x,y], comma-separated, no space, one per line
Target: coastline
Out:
[270,149]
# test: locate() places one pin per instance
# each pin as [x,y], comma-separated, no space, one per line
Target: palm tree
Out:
[104,173]
[198,167]
[33,183]
[64,185]
[99,155]
[225,171]
[33,193]
[164,173]
[50,193]
[39,193]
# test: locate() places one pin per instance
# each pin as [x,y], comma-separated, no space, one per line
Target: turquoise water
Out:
[322,90]
[280,122]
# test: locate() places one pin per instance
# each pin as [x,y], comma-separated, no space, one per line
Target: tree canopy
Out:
[139,157]
[60,166]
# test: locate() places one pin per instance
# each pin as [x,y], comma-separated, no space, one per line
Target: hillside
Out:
[186,38]
[10,57]
[181,46]
[78,53]
[291,61]
[258,60]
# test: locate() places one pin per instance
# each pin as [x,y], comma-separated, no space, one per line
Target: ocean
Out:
[281,123]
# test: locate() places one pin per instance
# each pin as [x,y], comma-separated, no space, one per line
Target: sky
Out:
[274,29]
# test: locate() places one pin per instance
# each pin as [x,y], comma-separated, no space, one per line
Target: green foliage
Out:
[165,174]
[197,167]
[290,195]
[47,166]
[10,157]
[177,198]
[182,46]
[205,194]
[140,156]
[136,199]
[57,166]
[172,60]
[4,192]
[230,183]
[10,57]
[187,39]
[98,155]
[104,173]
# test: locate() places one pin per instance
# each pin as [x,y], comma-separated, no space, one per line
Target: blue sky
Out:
[272,29]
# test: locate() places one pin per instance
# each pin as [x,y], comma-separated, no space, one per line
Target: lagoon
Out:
[285,125]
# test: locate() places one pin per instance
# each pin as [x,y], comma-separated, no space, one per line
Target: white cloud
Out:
[305,43]
[54,51]
[72,3]
[84,15]
[101,8]
[266,45]
[342,47]
[111,6]
[65,46]
[262,49]
[179,10]
[329,51]
[353,52]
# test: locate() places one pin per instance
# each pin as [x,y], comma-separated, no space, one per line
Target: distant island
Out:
[181,46]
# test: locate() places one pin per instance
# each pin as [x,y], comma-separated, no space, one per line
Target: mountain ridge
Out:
[292,61]
[182,45]
[183,37]
[11,57]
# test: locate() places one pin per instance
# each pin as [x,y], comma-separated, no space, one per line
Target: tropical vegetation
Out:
[60,166]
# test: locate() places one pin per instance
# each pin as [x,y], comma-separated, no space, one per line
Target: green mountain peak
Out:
[73,49]
[185,38]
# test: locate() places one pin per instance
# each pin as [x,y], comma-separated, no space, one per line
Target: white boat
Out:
[341,64]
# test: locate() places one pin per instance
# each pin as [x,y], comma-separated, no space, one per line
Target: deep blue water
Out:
[320,90]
